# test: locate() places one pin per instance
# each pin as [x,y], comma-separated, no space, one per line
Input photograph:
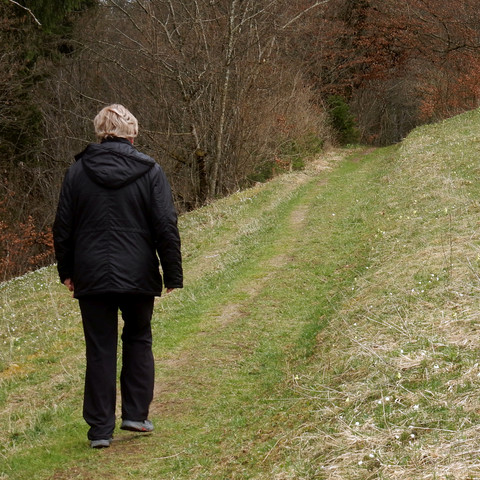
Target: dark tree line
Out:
[396,64]
[35,36]
[226,91]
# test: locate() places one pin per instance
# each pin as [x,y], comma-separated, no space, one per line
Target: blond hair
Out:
[115,121]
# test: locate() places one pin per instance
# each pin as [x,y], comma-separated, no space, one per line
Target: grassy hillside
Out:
[328,330]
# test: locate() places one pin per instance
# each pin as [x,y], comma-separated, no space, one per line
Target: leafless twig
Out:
[28,10]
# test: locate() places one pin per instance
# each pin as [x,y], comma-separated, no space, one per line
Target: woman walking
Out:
[115,224]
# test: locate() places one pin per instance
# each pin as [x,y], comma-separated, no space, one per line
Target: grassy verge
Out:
[328,329]
[398,396]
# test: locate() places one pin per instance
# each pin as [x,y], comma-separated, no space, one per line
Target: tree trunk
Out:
[223,104]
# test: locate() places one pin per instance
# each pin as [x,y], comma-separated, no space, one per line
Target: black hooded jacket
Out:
[115,214]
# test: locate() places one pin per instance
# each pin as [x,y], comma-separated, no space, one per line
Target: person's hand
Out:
[69,284]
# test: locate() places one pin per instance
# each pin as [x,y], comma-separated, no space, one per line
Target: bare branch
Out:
[303,12]
[28,10]
[127,14]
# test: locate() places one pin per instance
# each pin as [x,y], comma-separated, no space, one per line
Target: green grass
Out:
[328,329]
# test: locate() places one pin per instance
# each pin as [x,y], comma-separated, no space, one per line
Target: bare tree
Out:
[205,77]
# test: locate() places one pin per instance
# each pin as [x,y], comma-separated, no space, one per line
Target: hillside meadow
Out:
[328,329]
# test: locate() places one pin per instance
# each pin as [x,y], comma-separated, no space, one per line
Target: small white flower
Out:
[416,407]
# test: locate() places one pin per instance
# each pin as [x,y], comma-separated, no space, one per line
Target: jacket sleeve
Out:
[165,230]
[63,232]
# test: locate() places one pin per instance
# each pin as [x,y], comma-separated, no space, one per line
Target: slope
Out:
[328,329]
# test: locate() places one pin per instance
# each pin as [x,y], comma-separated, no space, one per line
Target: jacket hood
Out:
[114,163]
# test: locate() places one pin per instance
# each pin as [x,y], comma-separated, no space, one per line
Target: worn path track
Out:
[228,347]
[226,370]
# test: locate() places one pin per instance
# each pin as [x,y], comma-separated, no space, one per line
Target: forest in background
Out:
[226,91]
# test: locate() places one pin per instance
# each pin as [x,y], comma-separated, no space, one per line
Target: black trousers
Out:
[100,325]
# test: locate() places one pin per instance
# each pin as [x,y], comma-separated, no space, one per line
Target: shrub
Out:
[342,120]
[23,247]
